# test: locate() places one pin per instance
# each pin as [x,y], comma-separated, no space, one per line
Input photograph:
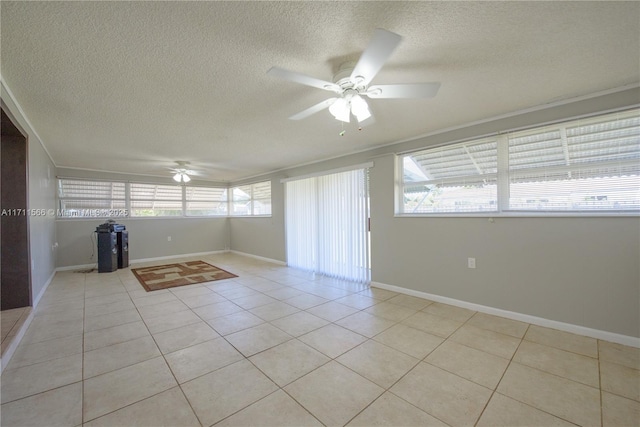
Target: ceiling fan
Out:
[181,172]
[352,82]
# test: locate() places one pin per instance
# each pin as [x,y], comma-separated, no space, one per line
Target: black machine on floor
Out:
[113,247]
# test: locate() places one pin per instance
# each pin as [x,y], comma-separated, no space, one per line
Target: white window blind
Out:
[155,200]
[205,201]
[261,198]
[252,199]
[456,178]
[83,198]
[582,165]
[302,224]
[327,225]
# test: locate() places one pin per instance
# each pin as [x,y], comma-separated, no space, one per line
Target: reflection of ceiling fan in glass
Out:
[352,82]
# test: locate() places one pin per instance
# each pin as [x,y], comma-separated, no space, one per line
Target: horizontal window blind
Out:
[252,199]
[81,198]
[457,178]
[205,201]
[155,200]
[261,195]
[582,165]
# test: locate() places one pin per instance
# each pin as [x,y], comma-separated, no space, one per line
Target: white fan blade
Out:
[312,110]
[409,90]
[292,76]
[375,55]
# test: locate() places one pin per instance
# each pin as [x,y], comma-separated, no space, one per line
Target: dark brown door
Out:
[14,227]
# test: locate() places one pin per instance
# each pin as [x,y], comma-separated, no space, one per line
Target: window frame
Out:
[186,201]
[503,177]
[251,201]
[156,199]
[103,212]
[126,212]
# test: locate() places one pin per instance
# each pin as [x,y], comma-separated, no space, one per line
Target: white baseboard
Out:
[38,297]
[534,320]
[77,267]
[273,261]
[141,260]
[162,258]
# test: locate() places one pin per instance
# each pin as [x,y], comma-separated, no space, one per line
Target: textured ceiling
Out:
[133,86]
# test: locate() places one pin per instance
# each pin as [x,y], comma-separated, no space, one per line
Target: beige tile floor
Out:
[276,346]
[10,323]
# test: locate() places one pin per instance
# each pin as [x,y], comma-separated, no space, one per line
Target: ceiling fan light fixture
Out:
[353,78]
[181,177]
[360,108]
[362,117]
[340,110]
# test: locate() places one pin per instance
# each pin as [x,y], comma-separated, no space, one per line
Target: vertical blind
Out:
[327,225]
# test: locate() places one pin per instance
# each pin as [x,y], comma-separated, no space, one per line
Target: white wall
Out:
[262,236]
[41,196]
[583,271]
[148,238]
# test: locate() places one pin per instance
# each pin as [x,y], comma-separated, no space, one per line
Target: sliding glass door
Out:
[327,225]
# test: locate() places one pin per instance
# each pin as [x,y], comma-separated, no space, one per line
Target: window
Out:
[588,165]
[84,199]
[584,165]
[457,178]
[79,198]
[253,199]
[205,201]
[156,200]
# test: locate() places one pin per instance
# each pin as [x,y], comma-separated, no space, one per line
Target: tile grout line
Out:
[84,306]
[350,292]
[600,384]
[166,363]
[495,389]
[531,367]
[161,355]
[388,389]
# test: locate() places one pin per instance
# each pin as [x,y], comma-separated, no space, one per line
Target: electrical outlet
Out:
[168,238]
[471,262]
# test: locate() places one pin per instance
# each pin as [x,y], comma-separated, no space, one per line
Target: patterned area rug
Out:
[181,274]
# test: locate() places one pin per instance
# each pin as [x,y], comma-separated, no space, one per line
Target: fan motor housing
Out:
[343,78]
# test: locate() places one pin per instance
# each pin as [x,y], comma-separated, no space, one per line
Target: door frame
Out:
[12,129]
